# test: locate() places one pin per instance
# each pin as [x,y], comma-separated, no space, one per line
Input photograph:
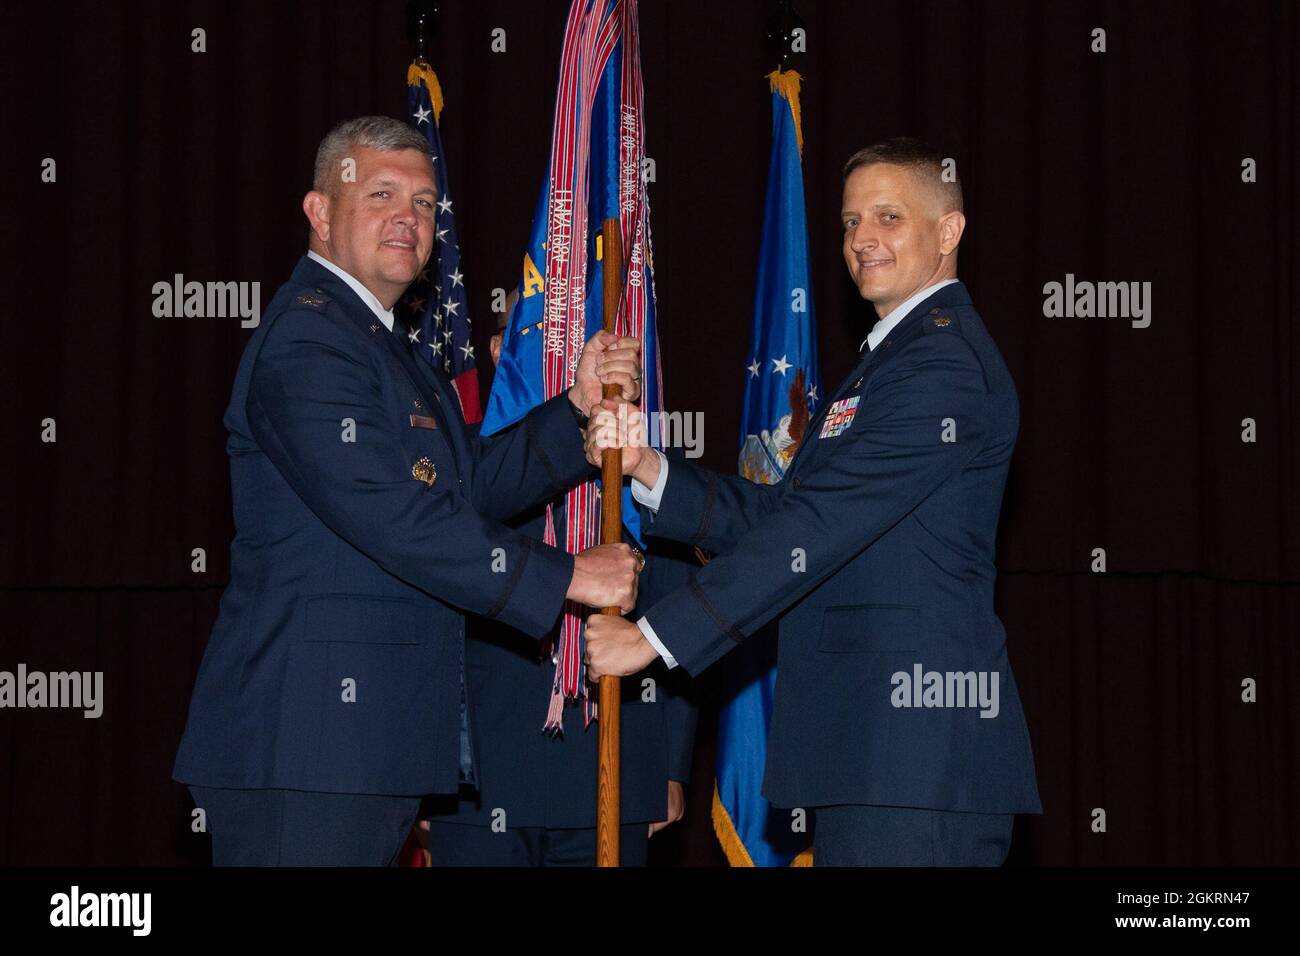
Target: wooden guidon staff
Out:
[611,532]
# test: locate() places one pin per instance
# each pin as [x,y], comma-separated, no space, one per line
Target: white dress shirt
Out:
[385,315]
[651,497]
[883,327]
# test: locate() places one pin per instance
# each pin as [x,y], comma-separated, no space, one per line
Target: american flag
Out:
[435,302]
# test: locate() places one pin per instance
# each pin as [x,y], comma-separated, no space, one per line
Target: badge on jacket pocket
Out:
[425,471]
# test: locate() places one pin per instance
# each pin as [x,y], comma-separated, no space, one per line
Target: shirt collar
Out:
[885,325]
[366,296]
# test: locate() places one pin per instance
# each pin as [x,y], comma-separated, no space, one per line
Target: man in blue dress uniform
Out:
[896,716]
[332,694]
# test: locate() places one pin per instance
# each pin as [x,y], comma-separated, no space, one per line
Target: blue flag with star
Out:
[782,385]
[436,312]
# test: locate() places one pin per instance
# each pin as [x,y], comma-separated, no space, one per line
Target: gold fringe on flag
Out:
[786,82]
[421,70]
[733,847]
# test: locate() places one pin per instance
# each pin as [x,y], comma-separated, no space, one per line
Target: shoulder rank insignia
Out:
[423,470]
[308,299]
[941,319]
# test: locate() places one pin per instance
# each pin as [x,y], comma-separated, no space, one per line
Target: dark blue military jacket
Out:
[365,529]
[877,551]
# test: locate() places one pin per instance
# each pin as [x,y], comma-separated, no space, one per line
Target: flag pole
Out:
[608,778]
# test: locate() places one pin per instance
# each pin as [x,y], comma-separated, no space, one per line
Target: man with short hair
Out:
[896,716]
[332,694]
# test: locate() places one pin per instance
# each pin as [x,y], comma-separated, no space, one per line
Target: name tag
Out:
[840,417]
[424,421]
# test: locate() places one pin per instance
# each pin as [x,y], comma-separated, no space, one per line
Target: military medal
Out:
[424,471]
[840,417]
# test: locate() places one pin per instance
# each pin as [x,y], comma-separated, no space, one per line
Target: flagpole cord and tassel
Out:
[420,70]
[786,82]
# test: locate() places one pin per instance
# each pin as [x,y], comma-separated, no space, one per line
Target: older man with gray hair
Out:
[332,697]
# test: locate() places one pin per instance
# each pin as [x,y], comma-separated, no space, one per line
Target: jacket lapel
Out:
[853,376]
[445,404]
[309,272]
[891,345]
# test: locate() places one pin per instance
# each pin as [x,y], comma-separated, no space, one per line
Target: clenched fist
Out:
[607,359]
[618,424]
[606,576]
[615,647]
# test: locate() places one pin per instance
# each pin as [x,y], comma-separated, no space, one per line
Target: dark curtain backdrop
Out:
[1120,166]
